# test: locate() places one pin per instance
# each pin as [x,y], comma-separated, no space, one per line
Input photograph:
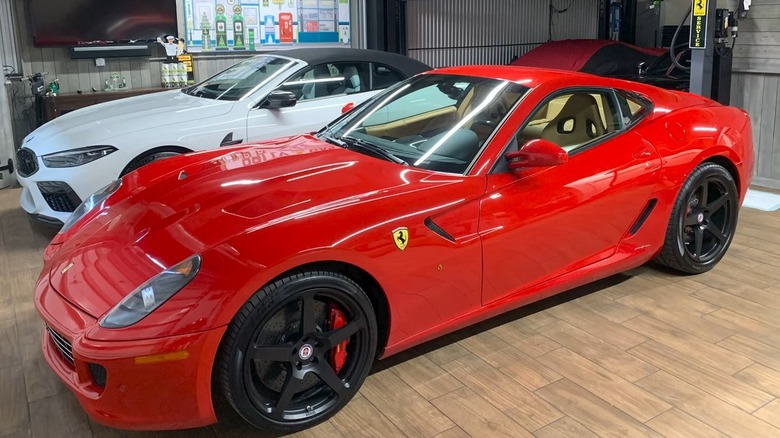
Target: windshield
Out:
[435,122]
[240,79]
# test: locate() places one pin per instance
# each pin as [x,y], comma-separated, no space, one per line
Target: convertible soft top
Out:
[321,55]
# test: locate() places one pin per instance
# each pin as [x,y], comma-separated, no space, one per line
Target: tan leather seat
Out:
[578,122]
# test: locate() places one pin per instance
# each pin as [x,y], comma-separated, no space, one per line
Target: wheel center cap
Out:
[305,352]
[700,218]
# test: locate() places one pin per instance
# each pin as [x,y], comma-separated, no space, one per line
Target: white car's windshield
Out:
[240,79]
[436,122]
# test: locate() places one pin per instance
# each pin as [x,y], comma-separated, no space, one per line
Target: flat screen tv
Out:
[75,22]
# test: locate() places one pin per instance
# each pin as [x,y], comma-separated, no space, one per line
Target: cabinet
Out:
[55,106]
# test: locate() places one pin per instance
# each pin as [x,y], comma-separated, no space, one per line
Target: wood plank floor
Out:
[645,353]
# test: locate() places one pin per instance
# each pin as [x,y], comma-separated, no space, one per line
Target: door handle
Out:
[643,152]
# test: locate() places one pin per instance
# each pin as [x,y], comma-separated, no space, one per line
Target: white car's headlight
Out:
[90,203]
[76,157]
[151,295]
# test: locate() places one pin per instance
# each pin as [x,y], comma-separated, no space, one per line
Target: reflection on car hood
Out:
[197,201]
[98,124]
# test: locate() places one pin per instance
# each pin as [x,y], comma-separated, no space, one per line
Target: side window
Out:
[332,79]
[383,76]
[571,120]
[633,106]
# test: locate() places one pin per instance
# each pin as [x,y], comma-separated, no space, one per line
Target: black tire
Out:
[703,221]
[148,157]
[264,361]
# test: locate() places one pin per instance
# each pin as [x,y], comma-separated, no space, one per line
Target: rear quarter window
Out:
[633,106]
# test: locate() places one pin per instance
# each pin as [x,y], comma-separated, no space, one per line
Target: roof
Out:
[532,77]
[528,76]
[319,55]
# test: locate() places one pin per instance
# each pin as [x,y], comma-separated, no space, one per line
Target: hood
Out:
[98,124]
[164,214]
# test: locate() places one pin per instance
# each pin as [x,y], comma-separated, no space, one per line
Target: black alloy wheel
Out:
[298,351]
[703,221]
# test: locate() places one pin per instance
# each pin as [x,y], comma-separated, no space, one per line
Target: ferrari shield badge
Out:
[401,237]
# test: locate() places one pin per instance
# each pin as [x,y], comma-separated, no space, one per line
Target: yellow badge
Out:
[401,237]
[699,8]
[66,268]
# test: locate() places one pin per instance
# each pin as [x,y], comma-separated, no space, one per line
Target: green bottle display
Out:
[238,29]
[220,21]
[251,39]
[205,29]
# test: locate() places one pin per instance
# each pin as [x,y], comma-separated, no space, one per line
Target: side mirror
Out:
[537,153]
[279,99]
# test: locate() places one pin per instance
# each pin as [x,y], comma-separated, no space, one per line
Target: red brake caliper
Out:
[338,355]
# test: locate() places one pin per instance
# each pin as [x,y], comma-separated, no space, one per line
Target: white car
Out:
[267,96]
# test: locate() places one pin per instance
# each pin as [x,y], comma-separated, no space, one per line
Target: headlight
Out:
[151,295]
[93,201]
[76,157]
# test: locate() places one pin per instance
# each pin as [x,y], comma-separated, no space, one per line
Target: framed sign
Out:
[247,25]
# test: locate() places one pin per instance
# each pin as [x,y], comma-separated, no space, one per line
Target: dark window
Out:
[383,76]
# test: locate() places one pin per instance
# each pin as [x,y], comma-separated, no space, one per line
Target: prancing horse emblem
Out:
[401,237]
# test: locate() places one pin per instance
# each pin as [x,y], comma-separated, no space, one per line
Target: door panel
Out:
[542,223]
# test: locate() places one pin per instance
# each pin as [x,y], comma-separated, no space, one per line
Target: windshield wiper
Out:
[332,140]
[357,143]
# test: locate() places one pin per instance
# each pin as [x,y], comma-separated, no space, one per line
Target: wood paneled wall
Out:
[754,85]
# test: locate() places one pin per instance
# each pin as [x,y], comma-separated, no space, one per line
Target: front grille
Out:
[26,162]
[62,345]
[59,196]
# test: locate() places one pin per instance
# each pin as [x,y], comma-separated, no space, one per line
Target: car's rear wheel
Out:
[703,221]
[298,351]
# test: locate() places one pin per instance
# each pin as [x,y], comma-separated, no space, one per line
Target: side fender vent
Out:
[438,230]
[643,216]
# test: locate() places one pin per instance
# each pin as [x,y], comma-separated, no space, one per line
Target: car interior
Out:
[572,120]
[448,122]
[325,80]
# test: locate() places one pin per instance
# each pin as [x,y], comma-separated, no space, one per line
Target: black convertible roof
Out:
[319,55]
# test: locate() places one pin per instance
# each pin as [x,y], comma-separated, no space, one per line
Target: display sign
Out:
[699,25]
[226,25]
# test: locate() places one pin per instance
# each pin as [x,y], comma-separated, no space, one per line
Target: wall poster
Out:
[226,25]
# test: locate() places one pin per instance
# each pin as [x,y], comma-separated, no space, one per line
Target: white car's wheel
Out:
[149,156]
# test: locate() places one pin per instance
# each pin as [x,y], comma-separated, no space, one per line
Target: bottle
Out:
[54,87]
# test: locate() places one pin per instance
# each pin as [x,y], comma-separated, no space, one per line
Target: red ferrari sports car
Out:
[272,275]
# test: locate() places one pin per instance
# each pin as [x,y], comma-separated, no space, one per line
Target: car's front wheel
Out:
[704,218]
[298,351]
[148,157]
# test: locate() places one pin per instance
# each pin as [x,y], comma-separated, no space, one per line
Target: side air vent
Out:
[438,230]
[643,217]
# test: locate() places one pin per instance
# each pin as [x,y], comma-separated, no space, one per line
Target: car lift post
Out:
[702,46]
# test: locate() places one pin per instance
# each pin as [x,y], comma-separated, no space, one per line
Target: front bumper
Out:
[153,384]
[51,194]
